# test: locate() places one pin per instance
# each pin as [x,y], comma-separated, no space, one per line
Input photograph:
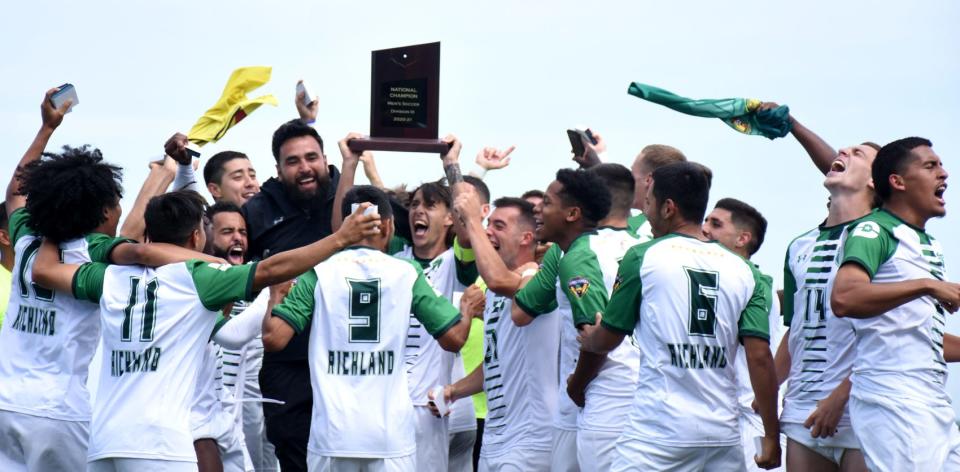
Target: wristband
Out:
[528,273]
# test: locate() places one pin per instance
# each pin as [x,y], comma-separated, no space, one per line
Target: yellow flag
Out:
[233,105]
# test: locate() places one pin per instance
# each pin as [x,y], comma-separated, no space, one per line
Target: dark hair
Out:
[585,190]
[367,193]
[746,217]
[293,129]
[526,210]
[3,216]
[619,181]
[213,169]
[222,207]
[687,185]
[69,193]
[434,192]
[891,159]
[173,217]
[532,194]
[481,187]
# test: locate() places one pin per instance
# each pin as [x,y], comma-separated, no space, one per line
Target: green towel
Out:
[740,114]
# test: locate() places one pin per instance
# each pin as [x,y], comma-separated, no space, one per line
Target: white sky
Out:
[511,73]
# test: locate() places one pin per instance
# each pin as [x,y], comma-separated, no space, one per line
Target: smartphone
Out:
[307,97]
[65,92]
[576,136]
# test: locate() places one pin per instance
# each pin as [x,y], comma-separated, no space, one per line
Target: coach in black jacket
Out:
[292,210]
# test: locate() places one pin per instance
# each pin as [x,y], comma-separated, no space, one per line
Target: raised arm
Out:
[370,169]
[495,273]
[161,175]
[289,264]
[348,172]
[51,118]
[820,152]
[451,161]
[491,158]
[156,254]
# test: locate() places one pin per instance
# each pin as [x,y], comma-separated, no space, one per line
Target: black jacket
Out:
[275,224]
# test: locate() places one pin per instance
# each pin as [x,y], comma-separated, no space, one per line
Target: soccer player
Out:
[6,262]
[584,276]
[230,177]
[741,228]
[518,372]
[817,353]
[155,324]
[687,302]
[891,285]
[651,158]
[360,301]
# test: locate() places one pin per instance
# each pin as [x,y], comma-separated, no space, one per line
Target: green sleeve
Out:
[539,295]
[19,225]
[219,284]
[99,246]
[432,310]
[623,311]
[755,318]
[869,246]
[582,281]
[397,244]
[297,307]
[466,264]
[789,289]
[88,281]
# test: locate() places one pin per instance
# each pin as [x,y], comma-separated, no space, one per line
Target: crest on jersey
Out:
[616,283]
[578,286]
[867,229]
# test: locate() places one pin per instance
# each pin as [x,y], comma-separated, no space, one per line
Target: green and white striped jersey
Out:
[155,325]
[519,378]
[359,302]
[821,345]
[899,354]
[687,302]
[48,337]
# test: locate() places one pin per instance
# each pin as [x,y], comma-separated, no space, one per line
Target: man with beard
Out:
[292,210]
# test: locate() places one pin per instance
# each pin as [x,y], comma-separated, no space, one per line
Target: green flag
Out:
[741,114]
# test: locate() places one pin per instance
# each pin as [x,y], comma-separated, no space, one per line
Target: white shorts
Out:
[904,435]
[831,448]
[29,443]
[122,464]
[636,455]
[355,464]
[461,451]
[749,429]
[596,450]
[261,452]
[433,441]
[228,435]
[563,457]
[518,459]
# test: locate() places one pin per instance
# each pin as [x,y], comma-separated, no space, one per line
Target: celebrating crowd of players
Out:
[607,322]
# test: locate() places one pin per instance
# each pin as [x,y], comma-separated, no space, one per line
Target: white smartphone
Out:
[65,92]
[371,210]
[307,96]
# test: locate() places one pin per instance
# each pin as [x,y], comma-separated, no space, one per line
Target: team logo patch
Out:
[867,229]
[616,283]
[578,286]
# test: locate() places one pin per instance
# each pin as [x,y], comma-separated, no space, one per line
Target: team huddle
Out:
[609,322]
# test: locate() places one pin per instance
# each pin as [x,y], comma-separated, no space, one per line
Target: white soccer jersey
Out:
[48,337]
[821,345]
[155,326]
[687,301]
[899,354]
[519,375]
[586,275]
[359,302]
[428,365]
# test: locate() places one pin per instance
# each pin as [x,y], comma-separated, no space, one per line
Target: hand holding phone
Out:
[65,92]
[307,96]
